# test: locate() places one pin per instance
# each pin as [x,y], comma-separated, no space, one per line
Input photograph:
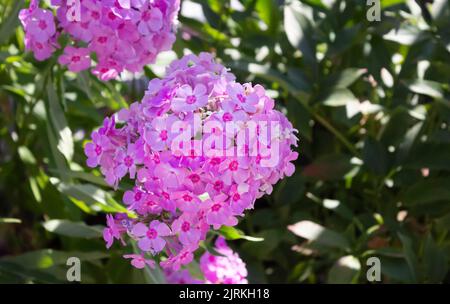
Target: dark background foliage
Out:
[370,101]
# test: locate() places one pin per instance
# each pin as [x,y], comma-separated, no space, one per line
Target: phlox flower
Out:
[185,227]
[151,238]
[125,34]
[241,98]
[112,231]
[234,170]
[95,149]
[76,59]
[188,99]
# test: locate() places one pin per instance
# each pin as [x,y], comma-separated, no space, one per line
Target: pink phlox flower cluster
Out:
[225,269]
[123,34]
[172,145]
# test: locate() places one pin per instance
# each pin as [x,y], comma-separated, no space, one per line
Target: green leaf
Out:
[329,167]
[5,220]
[59,123]
[345,78]
[231,233]
[297,86]
[93,196]
[434,156]
[338,98]
[317,233]
[264,250]
[427,191]
[16,273]
[26,155]
[7,27]
[435,261]
[396,269]
[375,156]
[410,255]
[291,190]
[406,34]
[46,258]
[73,229]
[346,270]
[426,87]
[299,31]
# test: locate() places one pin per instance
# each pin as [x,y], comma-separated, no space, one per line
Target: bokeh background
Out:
[370,101]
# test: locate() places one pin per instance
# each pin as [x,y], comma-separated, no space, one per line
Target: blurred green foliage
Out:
[370,101]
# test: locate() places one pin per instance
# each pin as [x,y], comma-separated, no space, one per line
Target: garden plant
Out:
[225,141]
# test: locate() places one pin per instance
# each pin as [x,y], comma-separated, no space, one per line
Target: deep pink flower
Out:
[150,21]
[77,59]
[41,25]
[188,99]
[94,150]
[225,269]
[151,238]
[112,231]
[188,233]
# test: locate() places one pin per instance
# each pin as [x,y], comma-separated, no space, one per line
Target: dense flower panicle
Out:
[200,148]
[225,269]
[122,34]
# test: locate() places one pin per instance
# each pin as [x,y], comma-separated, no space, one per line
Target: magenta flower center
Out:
[194,178]
[218,185]
[227,117]
[241,98]
[233,166]
[102,39]
[236,197]
[150,203]
[191,99]
[98,149]
[42,24]
[152,234]
[216,207]
[185,227]
[128,161]
[187,198]
[111,16]
[76,58]
[138,196]
[95,15]
[163,135]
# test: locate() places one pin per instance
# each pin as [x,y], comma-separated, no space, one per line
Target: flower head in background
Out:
[123,35]
[200,148]
[225,269]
